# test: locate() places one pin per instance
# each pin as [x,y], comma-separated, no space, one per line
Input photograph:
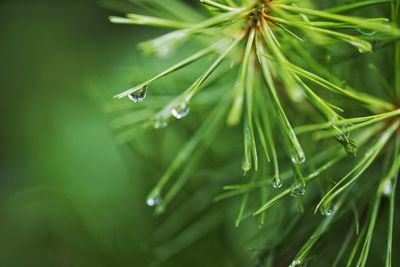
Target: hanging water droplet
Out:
[138,95]
[277,182]
[154,200]
[388,189]
[160,122]
[362,46]
[341,138]
[365,31]
[296,263]
[180,111]
[298,190]
[328,212]
[298,157]
[298,95]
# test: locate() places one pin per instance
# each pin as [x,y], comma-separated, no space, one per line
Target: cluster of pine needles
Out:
[313,91]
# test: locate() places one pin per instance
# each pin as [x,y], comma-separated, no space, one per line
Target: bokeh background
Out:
[67,193]
[70,195]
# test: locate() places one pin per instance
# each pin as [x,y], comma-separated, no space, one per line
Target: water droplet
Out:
[362,46]
[328,212]
[277,182]
[160,122]
[298,190]
[365,31]
[154,200]
[180,111]
[296,263]
[388,189]
[138,95]
[298,157]
[341,138]
[298,95]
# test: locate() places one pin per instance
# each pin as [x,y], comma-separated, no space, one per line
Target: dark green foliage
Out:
[313,91]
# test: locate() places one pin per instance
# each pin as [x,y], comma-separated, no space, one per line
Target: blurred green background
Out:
[67,196]
[70,195]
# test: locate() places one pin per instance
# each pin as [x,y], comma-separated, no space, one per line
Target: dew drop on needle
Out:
[138,95]
[388,188]
[160,124]
[180,111]
[366,32]
[277,182]
[154,200]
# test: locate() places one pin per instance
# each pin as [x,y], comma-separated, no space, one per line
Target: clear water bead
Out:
[277,182]
[328,212]
[296,263]
[366,32]
[180,111]
[154,200]
[298,158]
[388,189]
[138,95]
[362,46]
[298,190]
[160,124]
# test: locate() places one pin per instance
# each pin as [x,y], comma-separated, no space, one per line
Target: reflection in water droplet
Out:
[277,182]
[362,46]
[296,263]
[341,138]
[388,189]
[365,31]
[180,111]
[328,212]
[160,122]
[154,200]
[298,190]
[298,95]
[138,95]
[298,157]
